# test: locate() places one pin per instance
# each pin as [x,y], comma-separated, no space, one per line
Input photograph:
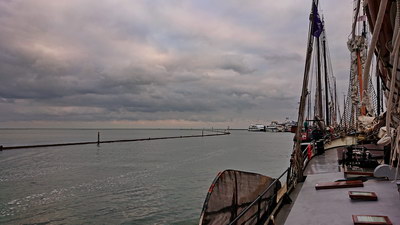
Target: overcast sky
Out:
[159,63]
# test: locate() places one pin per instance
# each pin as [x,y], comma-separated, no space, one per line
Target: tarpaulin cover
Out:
[231,192]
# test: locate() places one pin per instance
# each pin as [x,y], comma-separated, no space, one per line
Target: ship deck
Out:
[333,206]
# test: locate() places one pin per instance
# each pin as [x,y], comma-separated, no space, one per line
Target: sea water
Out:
[148,182]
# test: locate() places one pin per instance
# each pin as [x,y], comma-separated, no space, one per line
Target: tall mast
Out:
[336,104]
[344,112]
[326,81]
[364,33]
[297,154]
[309,116]
[362,86]
[319,82]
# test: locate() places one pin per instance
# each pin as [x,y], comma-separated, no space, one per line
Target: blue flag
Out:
[317,26]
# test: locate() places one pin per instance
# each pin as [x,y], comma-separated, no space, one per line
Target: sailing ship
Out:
[363,140]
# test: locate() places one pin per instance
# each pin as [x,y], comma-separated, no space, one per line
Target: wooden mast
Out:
[344,113]
[319,82]
[326,81]
[336,109]
[297,155]
[359,66]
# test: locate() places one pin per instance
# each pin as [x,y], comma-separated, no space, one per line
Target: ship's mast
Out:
[297,155]
[336,104]
[326,82]
[319,81]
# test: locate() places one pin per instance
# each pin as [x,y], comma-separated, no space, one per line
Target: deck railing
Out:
[287,185]
[263,214]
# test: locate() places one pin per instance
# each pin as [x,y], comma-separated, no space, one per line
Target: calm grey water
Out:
[151,182]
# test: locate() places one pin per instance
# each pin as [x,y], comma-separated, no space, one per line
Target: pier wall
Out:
[218,133]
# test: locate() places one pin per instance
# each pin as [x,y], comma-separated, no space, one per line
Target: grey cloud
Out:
[283,58]
[236,63]
[149,60]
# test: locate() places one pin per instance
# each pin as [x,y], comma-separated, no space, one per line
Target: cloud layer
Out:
[157,63]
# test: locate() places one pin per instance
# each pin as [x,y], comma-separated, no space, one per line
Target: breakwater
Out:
[217,133]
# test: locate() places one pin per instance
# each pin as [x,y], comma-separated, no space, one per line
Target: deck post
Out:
[288,177]
[259,208]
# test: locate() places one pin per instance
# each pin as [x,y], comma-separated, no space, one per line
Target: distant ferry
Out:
[257,127]
[275,127]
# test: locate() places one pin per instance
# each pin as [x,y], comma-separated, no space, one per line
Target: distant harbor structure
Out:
[257,128]
[274,126]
